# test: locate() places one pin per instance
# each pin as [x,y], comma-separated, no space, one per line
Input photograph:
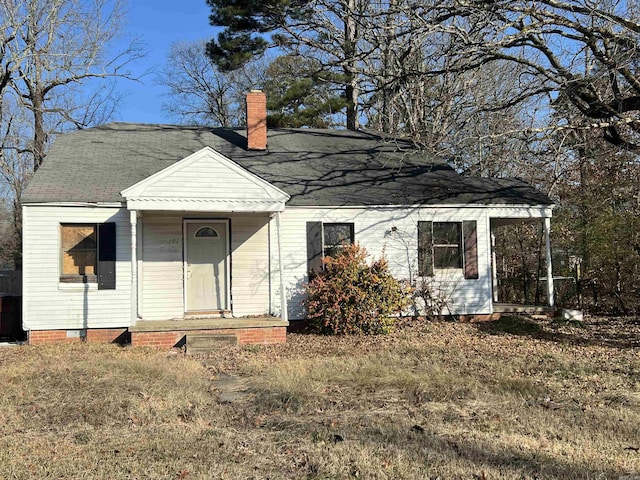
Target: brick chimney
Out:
[256,120]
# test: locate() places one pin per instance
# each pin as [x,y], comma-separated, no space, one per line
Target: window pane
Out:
[447,257]
[338,234]
[206,232]
[446,233]
[332,251]
[336,237]
[79,247]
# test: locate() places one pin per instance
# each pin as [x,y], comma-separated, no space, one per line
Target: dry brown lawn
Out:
[510,399]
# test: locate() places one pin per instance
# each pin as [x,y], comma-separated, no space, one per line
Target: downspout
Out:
[283,297]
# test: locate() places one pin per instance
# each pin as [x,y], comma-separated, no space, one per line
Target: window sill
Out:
[447,275]
[77,287]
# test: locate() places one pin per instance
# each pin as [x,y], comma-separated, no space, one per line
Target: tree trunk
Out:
[352,107]
[351,78]
[39,134]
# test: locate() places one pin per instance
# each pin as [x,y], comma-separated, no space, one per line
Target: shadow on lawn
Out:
[527,463]
[612,332]
[442,449]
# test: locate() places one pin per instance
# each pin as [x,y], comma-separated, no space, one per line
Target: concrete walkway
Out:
[231,388]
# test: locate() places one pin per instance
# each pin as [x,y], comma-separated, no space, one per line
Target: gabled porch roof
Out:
[205,181]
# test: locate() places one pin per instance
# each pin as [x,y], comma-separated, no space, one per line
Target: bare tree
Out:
[199,93]
[330,31]
[586,50]
[57,46]
[55,71]
[412,87]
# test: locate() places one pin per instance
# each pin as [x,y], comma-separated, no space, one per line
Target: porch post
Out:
[139,264]
[494,268]
[283,297]
[133,217]
[547,233]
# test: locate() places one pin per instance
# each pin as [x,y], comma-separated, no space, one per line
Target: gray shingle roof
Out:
[315,167]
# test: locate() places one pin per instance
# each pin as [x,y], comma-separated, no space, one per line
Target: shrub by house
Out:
[351,296]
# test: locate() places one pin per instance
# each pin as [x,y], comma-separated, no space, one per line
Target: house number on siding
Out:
[171,245]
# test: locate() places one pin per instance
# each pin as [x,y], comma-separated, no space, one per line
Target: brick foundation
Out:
[166,339]
[106,335]
[246,336]
[96,335]
[42,337]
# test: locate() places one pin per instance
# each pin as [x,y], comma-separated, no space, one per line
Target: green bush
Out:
[350,296]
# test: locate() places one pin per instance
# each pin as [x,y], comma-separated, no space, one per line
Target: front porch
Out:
[206,253]
[175,333]
[505,217]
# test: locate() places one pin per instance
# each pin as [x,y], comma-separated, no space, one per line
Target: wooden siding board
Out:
[250,264]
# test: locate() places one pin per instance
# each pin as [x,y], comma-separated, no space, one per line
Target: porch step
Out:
[207,343]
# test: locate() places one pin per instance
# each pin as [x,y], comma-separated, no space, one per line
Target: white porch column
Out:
[283,294]
[494,267]
[133,216]
[547,233]
[140,265]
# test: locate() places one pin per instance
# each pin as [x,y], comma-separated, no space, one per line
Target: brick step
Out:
[207,343]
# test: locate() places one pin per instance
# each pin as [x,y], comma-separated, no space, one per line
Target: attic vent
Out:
[206,232]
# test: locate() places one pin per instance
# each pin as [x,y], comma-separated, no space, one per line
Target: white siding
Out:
[162,275]
[373,230]
[162,269]
[207,176]
[250,264]
[49,304]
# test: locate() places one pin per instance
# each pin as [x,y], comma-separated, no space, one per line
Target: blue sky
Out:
[158,23]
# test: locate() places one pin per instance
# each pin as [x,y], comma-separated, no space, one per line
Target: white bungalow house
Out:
[157,231]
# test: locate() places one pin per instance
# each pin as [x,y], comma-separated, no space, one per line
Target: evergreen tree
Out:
[299,94]
[326,30]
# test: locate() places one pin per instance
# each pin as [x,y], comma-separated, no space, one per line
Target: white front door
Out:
[206,266]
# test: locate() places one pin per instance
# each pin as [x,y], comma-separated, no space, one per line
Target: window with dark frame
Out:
[326,239]
[447,245]
[88,254]
[336,236]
